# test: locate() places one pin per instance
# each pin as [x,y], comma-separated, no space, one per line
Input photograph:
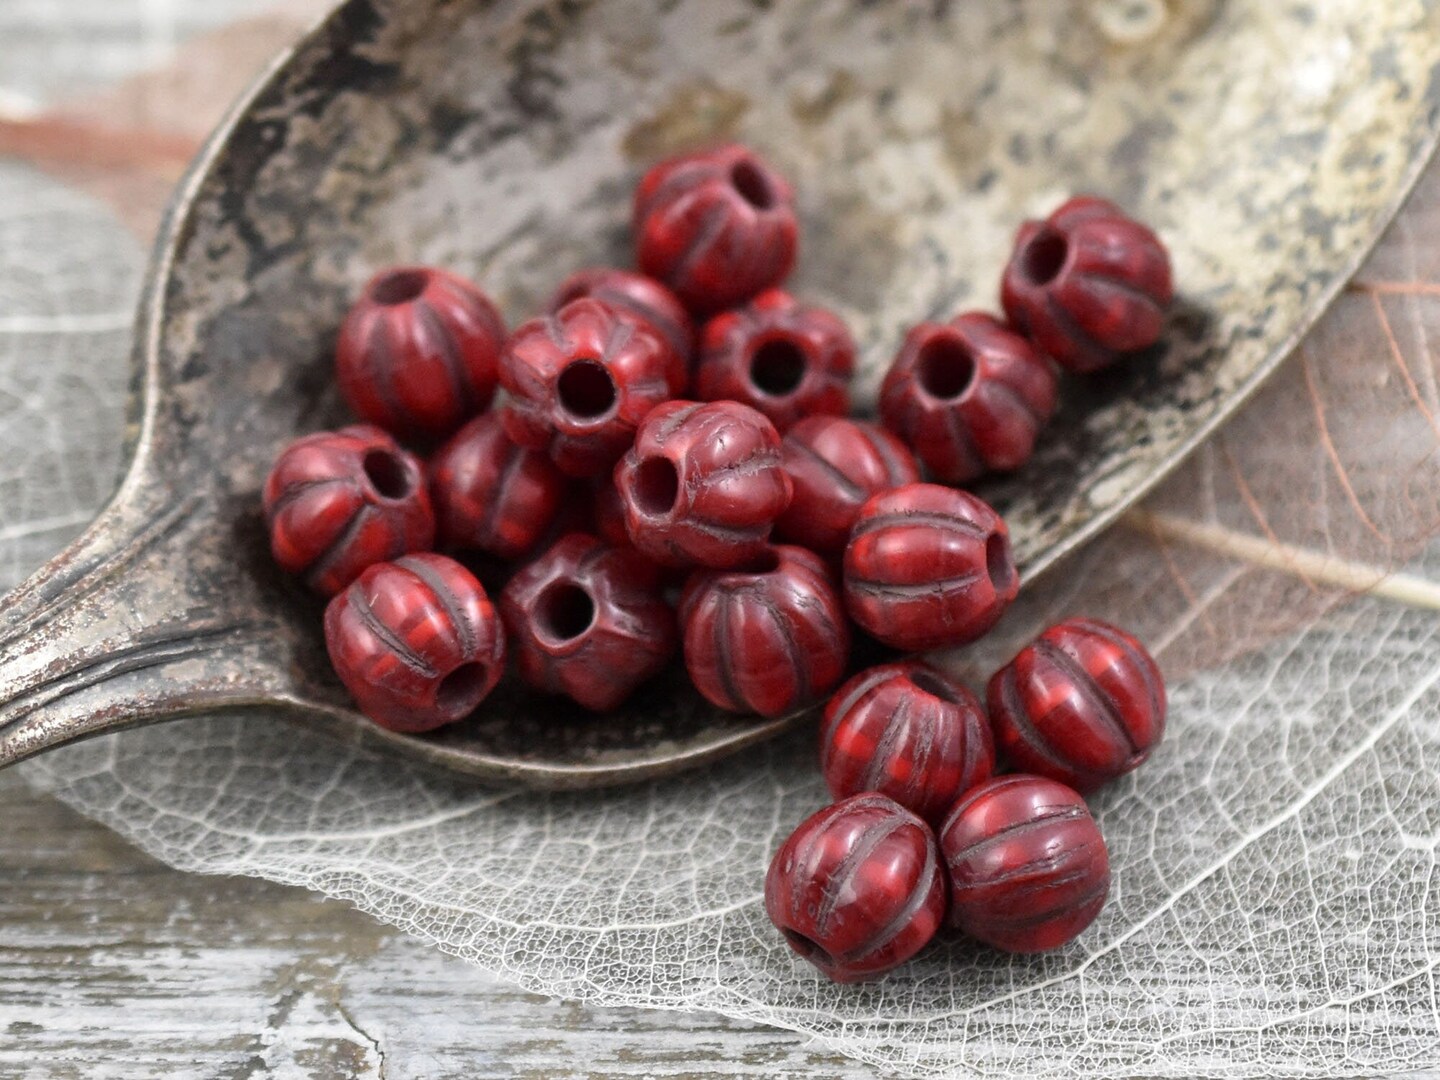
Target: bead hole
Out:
[657,486]
[565,611]
[586,389]
[807,947]
[387,474]
[1045,257]
[929,682]
[777,367]
[399,286]
[753,185]
[461,690]
[946,368]
[998,564]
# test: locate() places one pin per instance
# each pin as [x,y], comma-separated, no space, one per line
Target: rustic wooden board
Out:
[115,966]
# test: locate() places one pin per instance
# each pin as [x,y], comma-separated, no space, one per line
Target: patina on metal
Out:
[1269,143]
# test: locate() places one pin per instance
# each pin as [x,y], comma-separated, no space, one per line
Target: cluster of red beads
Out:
[1026,866]
[660,431]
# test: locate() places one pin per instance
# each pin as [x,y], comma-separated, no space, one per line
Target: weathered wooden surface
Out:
[114,966]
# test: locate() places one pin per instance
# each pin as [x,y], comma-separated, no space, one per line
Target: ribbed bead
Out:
[968,396]
[1082,704]
[928,567]
[769,640]
[1027,865]
[587,620]
[909,732]
[703,484]
[783,358]
[418,354]
[416,642]
[858,888]
[339,501]
[717,227]
[1088,285]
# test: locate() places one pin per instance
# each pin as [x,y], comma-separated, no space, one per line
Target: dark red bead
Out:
[491,495]
[786,359]
[339,501]
[928,567]
[419,352]
[969,396]
[644,298]
[717,227]
[835,465]
[909,732]
[416,642]
[769,640]
[1083,703]
[858,888]
[586,619]
[1027,864]
[703,484]
[580,381]
[1088,285]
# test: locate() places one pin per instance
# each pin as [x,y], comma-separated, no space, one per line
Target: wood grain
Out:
[115,966]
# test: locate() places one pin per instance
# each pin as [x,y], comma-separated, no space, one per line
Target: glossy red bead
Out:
[717,227]
[703,484]
[339,501]
[419,352]
[1083,703]
[586,619]
[909,732]
[835,465]
[581,380]
[1027,865]
[491,495]
[928,567]
[858,888]
[416,642]
[969,396]
[643,297]
[767,640]
[1088,285]
[783,358]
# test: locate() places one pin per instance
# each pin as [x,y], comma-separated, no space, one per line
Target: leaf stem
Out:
[1313,566]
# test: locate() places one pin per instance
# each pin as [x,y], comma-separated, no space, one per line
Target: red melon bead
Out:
[416,642]
[835,465]
[586,619]
[581,380]
[928,567]
[419,352]
[491,495]
[770,639]
[1082,704]
[1027,865]
[642,297]
[1088,285]
[786,359]
[969,396]
[858,888]
[909,732]
[703,484]
[339,501]
[717,227]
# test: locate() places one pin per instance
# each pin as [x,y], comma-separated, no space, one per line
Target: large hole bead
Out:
[416,642]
